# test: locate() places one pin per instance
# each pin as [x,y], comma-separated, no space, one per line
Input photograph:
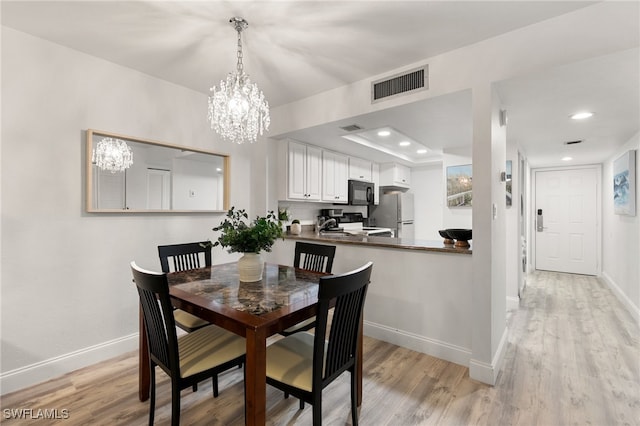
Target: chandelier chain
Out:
[240,66]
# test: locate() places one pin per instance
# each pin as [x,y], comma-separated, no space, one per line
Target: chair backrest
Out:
[314,257]
[157,311]
[184,256]
[349,291]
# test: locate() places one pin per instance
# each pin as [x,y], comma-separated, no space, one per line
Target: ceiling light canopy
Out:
[567,158]
[581,115]
[112,155]
[238,110]
[384,133]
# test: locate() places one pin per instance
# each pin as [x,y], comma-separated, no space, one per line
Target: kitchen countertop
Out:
[388,242]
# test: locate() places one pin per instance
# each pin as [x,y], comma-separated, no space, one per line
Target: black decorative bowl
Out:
[447,239]
[462,236]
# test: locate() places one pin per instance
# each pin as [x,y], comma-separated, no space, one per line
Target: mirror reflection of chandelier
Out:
[238,110]
[113,155]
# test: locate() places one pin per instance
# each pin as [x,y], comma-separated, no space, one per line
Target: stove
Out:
[352,223]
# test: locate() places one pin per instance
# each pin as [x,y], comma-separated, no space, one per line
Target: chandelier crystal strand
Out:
[238,110]
[113,155]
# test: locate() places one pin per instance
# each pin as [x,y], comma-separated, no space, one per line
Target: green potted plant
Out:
[283,214]
[239,235]
[283,217]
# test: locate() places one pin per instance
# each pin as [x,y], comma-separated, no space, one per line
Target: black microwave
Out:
[360,193]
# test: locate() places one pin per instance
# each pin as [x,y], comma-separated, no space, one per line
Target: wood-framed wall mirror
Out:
[163,178]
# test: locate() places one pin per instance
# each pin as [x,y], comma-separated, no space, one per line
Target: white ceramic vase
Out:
[296,228]
[250,267]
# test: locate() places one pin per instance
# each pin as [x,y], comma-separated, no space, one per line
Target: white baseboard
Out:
[29,375]
[488,373]
[418,343]
[633,309]
[513,303]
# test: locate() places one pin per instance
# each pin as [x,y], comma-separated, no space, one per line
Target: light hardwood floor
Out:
[573,358]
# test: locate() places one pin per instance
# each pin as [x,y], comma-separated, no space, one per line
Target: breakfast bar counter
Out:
[386,242]
[420,296]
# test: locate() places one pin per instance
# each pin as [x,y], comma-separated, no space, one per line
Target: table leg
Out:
[144,378]
[255,396]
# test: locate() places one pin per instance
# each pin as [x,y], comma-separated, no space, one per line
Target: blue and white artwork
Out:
[624,188]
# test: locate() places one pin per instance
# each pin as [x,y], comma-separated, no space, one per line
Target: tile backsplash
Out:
[307,213]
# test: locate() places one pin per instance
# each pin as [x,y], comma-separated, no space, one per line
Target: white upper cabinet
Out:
[359,169]
[335,169]
[392,174]
[304,172]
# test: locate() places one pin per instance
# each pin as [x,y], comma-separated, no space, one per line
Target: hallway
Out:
[573,356]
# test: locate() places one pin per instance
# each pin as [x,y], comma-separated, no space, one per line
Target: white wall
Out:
[195,185]
[67,296]
[620,238]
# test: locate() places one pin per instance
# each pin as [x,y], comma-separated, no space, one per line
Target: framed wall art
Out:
[459,186]
[624,184]
[508,179]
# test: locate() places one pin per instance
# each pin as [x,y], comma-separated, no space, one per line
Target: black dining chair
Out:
[183,257]
[189,358]
[303,364]
[313,257]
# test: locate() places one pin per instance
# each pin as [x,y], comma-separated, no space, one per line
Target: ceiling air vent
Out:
[411,81]
[351,128]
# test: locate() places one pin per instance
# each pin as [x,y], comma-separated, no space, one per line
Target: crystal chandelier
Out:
[113,155]
[238,109]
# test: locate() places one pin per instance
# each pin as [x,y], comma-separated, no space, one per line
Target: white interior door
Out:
[566,220]
[158,189]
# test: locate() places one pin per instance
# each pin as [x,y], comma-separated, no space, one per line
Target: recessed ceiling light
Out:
[404,143]
[384,133]
[567,158]
[421,151]
[581,115]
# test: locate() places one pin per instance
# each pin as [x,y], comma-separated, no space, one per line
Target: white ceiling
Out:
[294,49]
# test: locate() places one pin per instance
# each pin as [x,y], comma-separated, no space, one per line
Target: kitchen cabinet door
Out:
[335,169]
[314,173]
[392,174]
[304,169]
[359,169]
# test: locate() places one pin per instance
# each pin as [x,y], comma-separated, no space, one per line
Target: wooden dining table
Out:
[253,310]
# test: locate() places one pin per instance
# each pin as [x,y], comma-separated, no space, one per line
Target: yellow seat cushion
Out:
[290,360]
[188,320]
[208,347]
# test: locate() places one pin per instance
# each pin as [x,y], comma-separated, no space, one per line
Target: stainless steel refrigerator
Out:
[395,211]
